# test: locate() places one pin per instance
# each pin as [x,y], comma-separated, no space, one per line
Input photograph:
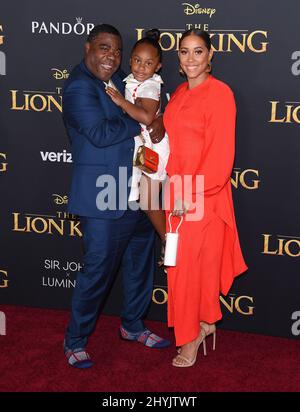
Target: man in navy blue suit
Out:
[115,232]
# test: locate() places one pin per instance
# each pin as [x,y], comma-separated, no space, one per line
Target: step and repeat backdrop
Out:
[257,52]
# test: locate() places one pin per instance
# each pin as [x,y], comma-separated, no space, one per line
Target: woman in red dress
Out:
[200,122]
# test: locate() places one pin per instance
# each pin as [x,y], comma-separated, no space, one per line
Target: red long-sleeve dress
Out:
[201,127]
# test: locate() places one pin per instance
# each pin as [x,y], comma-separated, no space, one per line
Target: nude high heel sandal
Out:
[181,361]
[210,329]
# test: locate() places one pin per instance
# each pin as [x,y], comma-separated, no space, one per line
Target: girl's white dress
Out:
[149,89]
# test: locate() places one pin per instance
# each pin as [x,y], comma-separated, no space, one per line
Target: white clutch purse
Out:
[172,244]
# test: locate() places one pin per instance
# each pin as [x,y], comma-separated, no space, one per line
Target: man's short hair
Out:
[102,28]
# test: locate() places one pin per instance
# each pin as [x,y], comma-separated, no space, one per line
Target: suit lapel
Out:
[118,82]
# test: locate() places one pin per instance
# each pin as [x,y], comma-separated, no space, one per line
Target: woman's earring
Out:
[208,67]
[181,71]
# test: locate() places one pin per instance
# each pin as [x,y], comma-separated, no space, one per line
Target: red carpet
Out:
[31,359]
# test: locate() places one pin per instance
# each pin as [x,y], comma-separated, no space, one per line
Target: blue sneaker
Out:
[146,337]
[78,358]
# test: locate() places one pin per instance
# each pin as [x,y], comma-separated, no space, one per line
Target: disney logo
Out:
[196,9]
[60,74]
[60,200]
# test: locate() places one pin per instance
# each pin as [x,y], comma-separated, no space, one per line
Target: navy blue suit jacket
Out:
[102,140]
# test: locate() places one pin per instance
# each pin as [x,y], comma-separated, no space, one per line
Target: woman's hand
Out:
[115,96]
[180,208]
[156,129]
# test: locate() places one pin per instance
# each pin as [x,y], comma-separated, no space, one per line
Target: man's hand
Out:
[115,96]
[156,129]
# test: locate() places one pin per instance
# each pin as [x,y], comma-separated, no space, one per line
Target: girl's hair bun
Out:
[153,34]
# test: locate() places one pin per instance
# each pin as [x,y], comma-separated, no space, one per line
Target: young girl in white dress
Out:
[142,103]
